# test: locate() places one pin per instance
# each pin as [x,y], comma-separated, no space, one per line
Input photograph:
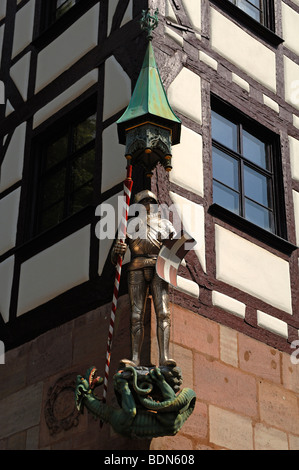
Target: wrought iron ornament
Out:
[149,22]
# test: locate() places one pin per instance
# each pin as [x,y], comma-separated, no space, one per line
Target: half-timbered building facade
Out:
[231,72]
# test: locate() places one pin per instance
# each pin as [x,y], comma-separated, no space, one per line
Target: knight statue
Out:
[144,244]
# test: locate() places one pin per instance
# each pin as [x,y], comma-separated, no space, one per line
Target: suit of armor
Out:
[142,279]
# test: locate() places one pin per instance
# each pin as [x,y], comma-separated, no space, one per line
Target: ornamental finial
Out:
[149,22]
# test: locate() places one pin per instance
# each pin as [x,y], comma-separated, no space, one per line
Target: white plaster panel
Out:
[271,103]
[173,35]
[23,27]
[9,210]
[19,72]
[2,8]
[9,108]
[193,10]
[117,93]
[187,164]
[291,75]
[68,48]
[187,287]
[113,161]
[66,97]
[252,269]
[169,12]
[296,121]
[192,218]
[229,304]
[208,60]
[54,271]
[272,324]
[240,82]
[12,166]
[296,210]
[1,37]
[184,94]
[294,155]
[128,16]
[247,53]
[6,277]
[290,27]
[112,4]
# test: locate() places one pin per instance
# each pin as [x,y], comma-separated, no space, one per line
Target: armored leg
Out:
[138,291]
[160,295]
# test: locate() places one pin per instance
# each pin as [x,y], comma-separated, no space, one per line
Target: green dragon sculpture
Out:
[149,405]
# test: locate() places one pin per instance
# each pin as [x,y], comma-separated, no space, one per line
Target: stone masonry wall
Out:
[247,392]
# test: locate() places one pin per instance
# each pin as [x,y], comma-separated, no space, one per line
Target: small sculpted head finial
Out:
[149,22]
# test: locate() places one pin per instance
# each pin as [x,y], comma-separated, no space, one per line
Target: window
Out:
[55,9]
[253,8]
[65,172]
[245,169]
[256,15]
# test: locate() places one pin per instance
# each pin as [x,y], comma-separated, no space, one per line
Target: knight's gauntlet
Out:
[119,249]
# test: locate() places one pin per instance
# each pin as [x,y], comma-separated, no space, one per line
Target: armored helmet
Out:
[144,195]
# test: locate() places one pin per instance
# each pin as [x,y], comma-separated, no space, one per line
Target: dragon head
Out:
[85,385]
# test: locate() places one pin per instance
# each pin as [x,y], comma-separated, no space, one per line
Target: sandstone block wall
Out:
[247,392]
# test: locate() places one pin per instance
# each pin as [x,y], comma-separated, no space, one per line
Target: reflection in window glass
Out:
[256,186]
[57,151]
[254,149]
[226,169]
[226,197]
[84,132]
[62,6]
[242,180]
[258,215]
[224,131]
[253,8]
[66,173]
[54,188]
[52,216]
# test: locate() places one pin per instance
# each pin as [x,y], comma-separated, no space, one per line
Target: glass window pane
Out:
[225,197]
[62,6]
[56,151]
[259,215]
[52,216]
[224,131]
[82,197]
[256,186]
[83,169]
[84,132]
[250,9]
[225,169]
[254,149]
[54,188]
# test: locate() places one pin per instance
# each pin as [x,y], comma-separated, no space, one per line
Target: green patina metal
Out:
[149,405]
[149,101]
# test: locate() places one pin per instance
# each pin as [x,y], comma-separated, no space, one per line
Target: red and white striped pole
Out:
[128,183]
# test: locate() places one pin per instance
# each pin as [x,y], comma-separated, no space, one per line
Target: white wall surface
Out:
[68,48]
[252,269]
[242,50]
[54,270]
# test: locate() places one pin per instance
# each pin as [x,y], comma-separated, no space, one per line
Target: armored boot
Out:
[138,291]
[161,303]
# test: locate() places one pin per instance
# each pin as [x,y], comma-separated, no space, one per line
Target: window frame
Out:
[48,13]
[278,239]
[265,30]
[40,143]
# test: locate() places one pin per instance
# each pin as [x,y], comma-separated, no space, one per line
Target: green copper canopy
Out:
[149,102]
